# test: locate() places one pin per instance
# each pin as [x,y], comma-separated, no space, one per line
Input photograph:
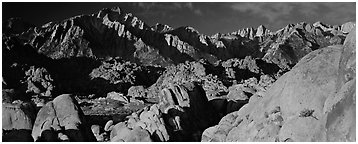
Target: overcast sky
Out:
[207,18]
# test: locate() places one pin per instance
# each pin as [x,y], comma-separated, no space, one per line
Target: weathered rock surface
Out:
[18,115]
[98,133]
[288,45]
[39,82]
[120,75]
[315,101]
[181,115]
[17,119]
[137,91]
[148,122]
[190,72]
[114,33]
[26,70]
[59,117]
[205,78]
[250,87]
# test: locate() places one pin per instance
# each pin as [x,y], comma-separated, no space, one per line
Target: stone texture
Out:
[148,124]
[100,34]
[39,82]
[137,91]
[17,121]
[113,50]
[299,105]
[17,115]
[182,114]
[61,114]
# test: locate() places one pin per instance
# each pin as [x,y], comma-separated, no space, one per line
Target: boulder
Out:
[97,132]
[18,115]
[17,121]
[137,134]
[137,91]
[181,115]
[147,124]
[315,101]
[61,114]
[187,111]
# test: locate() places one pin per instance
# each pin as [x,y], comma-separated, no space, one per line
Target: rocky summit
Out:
[110,77]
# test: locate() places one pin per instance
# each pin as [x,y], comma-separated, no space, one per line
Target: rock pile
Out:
[181,115]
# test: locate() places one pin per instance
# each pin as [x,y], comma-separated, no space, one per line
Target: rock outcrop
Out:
[18,117]
[181,115]
[187,81]
[315,101]
[137,91]
[61,120]
[17,121]
[39,82]
[148,123]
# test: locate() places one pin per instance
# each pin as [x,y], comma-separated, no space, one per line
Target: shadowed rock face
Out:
[312,102]
[74,48]
[198,79]
[61,120]
[114,33]
[181,115]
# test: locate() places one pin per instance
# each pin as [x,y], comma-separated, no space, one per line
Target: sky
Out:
[206,17]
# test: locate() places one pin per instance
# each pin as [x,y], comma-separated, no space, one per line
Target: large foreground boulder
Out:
[17,121]
[315,101]
[61,120]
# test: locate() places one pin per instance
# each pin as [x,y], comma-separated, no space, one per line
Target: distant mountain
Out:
[114,33]
[249,85]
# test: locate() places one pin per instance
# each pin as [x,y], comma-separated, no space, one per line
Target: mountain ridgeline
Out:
[114,33]
[109,76]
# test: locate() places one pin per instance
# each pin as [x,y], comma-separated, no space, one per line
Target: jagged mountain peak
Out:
[162,28]
[115,33]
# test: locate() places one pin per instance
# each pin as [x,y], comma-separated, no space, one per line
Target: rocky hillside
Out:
[123,80]
[315,101]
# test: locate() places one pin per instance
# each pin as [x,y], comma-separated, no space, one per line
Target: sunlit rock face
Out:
[114,33]
[159,83]
[315,101]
